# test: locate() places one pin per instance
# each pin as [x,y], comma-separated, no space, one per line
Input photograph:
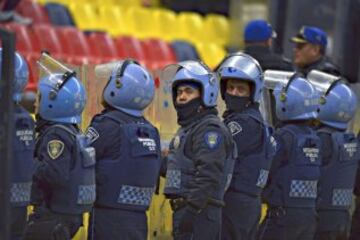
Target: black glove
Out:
[187,221]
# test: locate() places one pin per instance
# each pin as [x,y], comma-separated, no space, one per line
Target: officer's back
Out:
[128,153]
[64,180]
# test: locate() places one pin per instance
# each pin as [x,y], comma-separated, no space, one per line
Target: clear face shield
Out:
[323,82]
[272,79]
[112,70]
[195,68]
[55,74]
[244,64]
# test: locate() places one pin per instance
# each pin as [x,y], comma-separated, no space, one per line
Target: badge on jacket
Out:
[212,139]
[234,127]
[55,148]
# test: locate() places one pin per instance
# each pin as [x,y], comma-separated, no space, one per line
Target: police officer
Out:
[241,87]
[64,179]
[340,156]
[259,37]
[355,222]
[23,150]
[128,153]
[291,189]
[309,51]
[200,160]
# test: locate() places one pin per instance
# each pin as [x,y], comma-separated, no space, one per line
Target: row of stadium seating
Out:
[74,46]
[135,21]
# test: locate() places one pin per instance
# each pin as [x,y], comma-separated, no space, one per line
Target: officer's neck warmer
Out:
[237,104]
[192,111]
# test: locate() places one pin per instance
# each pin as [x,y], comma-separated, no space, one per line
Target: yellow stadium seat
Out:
[166,24]
[86,17]
[142,20]
[217,29]
[114,21]
[211,53]
[191,27]
[128,3]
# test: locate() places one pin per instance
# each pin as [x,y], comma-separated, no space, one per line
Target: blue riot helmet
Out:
[296,100]
[243,67]
[193,71]
[337,101]
[62,96]
[21,76]
[130,87]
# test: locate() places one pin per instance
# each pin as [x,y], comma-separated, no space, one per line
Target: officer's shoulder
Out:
[215,125]
[58,132]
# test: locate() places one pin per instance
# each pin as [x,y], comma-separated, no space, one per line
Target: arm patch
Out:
[212,139]
[91,134]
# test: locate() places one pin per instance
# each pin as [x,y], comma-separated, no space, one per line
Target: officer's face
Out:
[305,54]
[238,88]
[185,94]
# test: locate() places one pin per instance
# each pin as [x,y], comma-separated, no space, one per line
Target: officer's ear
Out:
[316,50]
[269,42]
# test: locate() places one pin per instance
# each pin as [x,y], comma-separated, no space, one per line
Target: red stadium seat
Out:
[74,45]
[102,46]
[28,46]
[33,10]
[48,40]
[158,52]
[130,47]
[23,41]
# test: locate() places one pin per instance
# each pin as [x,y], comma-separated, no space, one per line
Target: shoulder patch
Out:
[234,127]
[55,148]
[212,139]
[91,134]
[176,142]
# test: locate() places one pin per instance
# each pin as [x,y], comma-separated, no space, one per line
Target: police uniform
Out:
[292,187]
[196,177]
[355,221]
[242,210]
[338,170]
[23,164]
[323,64]
[63,182]
[127,171]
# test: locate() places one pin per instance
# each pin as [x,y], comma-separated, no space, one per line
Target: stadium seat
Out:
[75,45]
[184,51]
[102,47]
[33,10]
[59,14]
[85,17]
[128,3]
[130,47]
[142,20]
[48,40]
[158,53]
[211,53]
[114,20]
[166,24]
[191,27]
[217,29]
[23,42]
